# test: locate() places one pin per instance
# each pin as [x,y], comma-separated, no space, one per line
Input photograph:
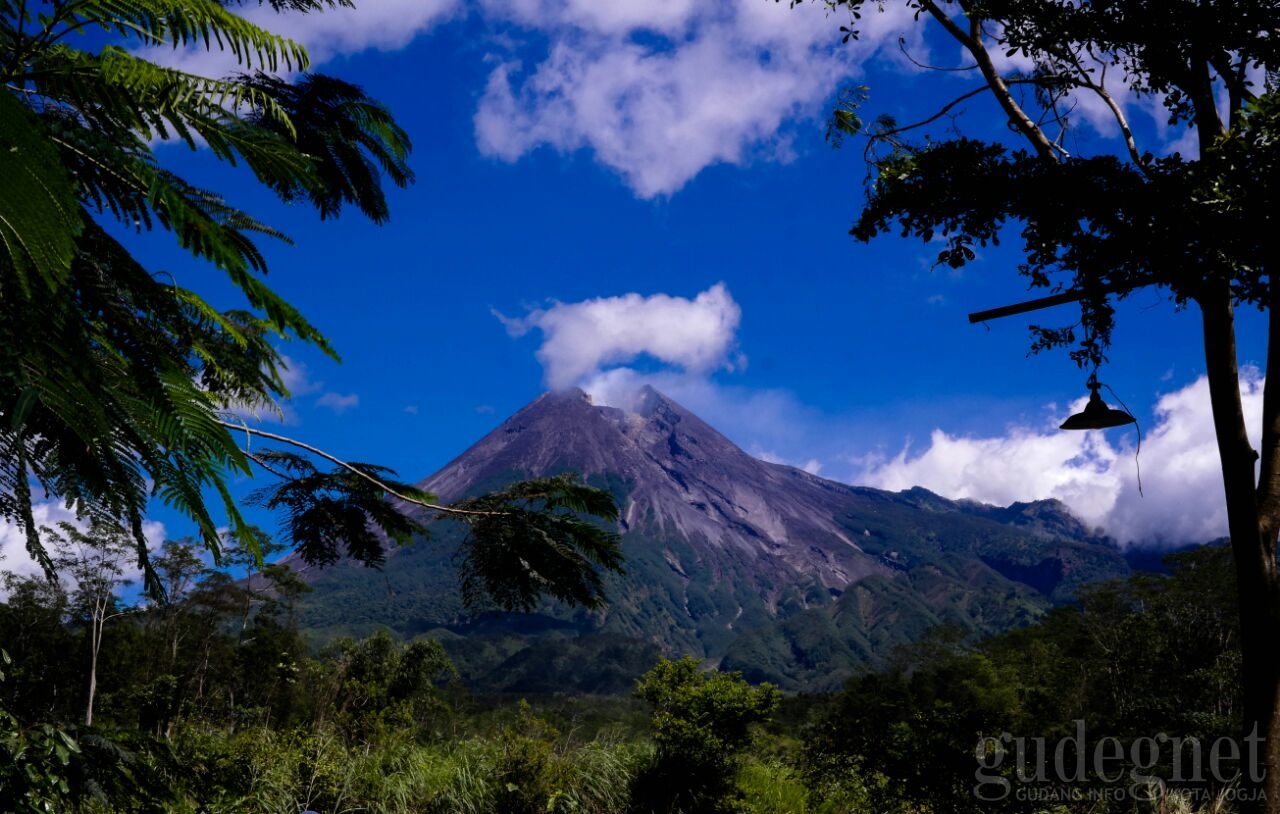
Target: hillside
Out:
[755,566]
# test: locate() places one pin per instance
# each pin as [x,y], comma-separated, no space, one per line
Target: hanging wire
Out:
[1137,466]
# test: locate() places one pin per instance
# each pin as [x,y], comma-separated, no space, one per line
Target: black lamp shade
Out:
[1097,415]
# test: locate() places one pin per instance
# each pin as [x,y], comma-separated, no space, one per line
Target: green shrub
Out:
[701,724]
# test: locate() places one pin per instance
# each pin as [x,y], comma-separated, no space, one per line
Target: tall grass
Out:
[773,788]
[267,772]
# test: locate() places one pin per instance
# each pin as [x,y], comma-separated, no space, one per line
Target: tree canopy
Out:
[119,385]
[1142,210]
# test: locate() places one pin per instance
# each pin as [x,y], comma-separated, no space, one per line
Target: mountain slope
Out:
[762,567]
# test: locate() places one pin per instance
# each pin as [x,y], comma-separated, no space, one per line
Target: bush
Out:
[701,724]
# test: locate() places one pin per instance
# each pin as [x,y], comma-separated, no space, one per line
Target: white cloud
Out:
[297,378]
[594,345]
[1182,499]
[1181,470]
[13,541]
[298,382]
[617,17]
[579,339]
[660,91]
[1025,464]
[656,90]
[338,402]
[813,466]
[381,25]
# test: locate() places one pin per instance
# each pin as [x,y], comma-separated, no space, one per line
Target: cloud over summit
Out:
[581,339]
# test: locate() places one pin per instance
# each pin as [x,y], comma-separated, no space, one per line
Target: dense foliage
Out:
[1104,203]
[701,725]
[113,377]
[119,385]
[215,702]
[1155,654]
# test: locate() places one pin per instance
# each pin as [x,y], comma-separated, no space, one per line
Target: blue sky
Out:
[640,190]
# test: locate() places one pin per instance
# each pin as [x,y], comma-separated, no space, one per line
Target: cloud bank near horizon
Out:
[14,558]
[1181,498]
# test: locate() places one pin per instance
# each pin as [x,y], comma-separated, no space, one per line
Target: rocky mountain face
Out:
[756,566]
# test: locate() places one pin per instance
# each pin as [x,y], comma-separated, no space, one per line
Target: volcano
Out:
[755,566]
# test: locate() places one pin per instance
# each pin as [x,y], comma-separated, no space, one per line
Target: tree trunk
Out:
[93,689]
[1254,562]
[95,643]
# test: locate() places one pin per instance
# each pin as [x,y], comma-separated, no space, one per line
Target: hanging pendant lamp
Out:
[1096,415]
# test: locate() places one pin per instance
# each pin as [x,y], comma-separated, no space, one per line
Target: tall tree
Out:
[94,562]
[1199,225]
[117,384]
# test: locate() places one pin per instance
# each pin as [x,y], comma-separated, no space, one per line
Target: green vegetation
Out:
[117,385]
[1154,654]
[1182,204]
[104,409]
[958,564]
[213,702]
[701,725]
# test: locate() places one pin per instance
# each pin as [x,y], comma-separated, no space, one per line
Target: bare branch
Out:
[1099,88]
[947,108]
[972,42]
[284,439]
[902,46]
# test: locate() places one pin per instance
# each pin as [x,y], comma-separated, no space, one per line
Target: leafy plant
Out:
[119,385]
[701,723]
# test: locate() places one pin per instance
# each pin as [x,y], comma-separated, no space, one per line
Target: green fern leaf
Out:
[39,213]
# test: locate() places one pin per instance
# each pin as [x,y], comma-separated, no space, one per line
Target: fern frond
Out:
[184,23]
[39,213]
[114,379]
[348,136]
[528,540]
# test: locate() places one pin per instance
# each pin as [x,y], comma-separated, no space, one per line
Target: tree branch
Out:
[1236,81]
[1099,88]
[1209,125]
[902,46]
[257,459]
[972,42]
[284,439]
[947,108]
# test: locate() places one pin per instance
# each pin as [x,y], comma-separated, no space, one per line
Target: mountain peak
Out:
[762,565]
[643,401]
[682,476]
